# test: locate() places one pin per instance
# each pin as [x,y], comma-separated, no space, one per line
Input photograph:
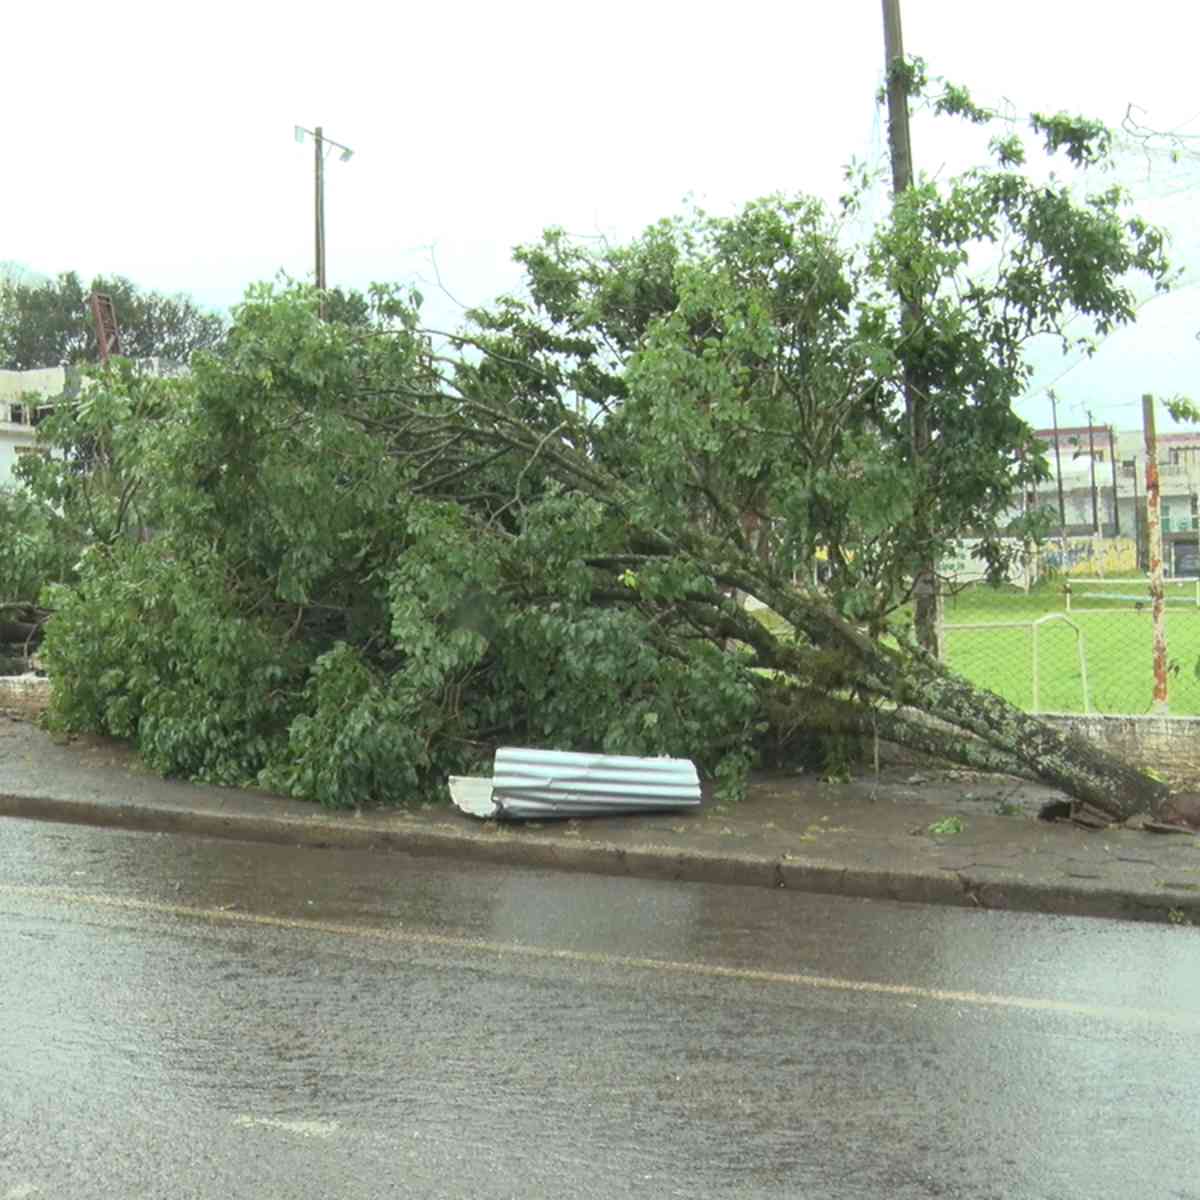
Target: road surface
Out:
[191,1018]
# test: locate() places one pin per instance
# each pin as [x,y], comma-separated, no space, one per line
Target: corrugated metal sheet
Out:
[528,783]
[472,795]
[557,783]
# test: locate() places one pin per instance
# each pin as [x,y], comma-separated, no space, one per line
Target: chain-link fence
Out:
[1082,647]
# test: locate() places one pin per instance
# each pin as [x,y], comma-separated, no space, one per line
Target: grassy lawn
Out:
[1117,644]
[1117,641]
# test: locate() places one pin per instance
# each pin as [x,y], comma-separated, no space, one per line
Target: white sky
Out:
[155,140]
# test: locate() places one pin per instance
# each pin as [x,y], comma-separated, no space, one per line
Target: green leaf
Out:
[947,826]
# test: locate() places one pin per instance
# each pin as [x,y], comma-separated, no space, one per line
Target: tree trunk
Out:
[842,661]
[1104,789]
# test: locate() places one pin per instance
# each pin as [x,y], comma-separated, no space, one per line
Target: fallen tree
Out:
[345,560]
[827,675]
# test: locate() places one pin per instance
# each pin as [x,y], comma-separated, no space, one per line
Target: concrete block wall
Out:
[24,696]
[1168,745]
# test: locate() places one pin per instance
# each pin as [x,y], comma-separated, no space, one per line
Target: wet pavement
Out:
[874,837]
[184,1016]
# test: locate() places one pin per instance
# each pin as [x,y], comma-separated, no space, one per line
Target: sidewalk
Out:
[867,838]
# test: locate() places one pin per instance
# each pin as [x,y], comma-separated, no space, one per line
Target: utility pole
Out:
[1062,507]
[927,600]
[1112,455]
[1137,519]
[1092,458]
[319,216]
[897,95]
[320,141]
[1154,530]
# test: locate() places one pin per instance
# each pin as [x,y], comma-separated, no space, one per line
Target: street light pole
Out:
[1092,458]
[319,143]
[319,215]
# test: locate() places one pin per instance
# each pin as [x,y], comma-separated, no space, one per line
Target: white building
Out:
[24,396]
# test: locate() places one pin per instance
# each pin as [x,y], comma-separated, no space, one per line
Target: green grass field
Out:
[1117,640]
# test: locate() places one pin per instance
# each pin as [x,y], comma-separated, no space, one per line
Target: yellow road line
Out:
[594,958]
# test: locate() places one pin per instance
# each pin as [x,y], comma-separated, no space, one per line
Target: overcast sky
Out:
[156,140]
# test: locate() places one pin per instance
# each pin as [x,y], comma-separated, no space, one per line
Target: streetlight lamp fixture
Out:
[319,143]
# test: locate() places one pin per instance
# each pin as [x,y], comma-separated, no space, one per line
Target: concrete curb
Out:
[962,888]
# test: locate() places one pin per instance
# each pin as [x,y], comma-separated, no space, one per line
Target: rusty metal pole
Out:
[104,315]
[1154,532]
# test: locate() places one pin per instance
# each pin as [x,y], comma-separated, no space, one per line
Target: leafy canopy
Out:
[50,324]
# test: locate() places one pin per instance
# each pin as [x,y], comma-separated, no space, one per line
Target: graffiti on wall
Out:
[1085,557]
[964,566]
[1090,556]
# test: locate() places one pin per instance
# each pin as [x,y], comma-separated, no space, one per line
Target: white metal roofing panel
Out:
[565,783]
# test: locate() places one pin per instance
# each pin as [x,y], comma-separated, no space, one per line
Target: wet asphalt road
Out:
[191,1018]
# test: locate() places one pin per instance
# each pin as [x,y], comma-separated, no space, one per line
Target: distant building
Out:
[27,396]
[1104,489]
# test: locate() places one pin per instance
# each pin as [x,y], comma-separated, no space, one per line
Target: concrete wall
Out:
[963,566]
[1088,556]
[1168,745]
[15,386]
[12,437]
[24,696]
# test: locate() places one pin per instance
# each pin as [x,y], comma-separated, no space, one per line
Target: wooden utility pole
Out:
[1062,505]
[1154,532]
[1112,455]
[319,223]
[1092,458]
[1137,520]
[320,142]
[897,94]
[927,600]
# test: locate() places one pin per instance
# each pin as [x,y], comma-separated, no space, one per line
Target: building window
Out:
[1180,523]
[28,414]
